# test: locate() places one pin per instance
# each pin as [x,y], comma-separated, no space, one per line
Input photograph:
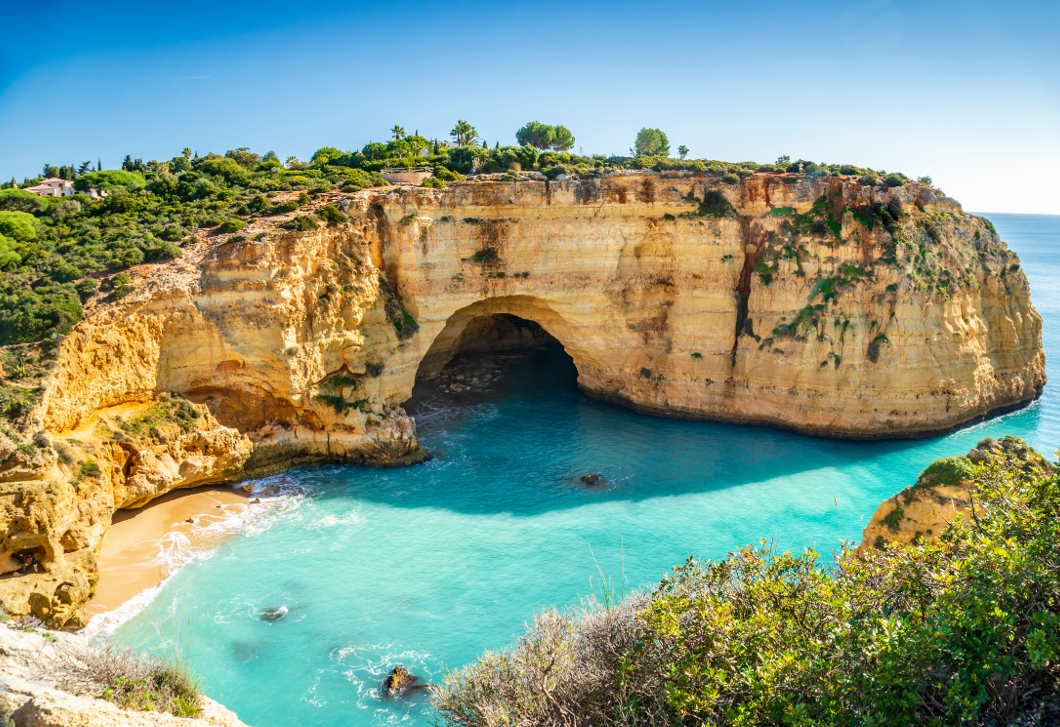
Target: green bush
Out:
[109,180]
[232,225]
[963,630]
[331,215]
[18,225]
[302,223]
[434,183]
[289,206]
[86,288]
[948,471]
[29,312]
[868,180]
[893,180]
[731,178]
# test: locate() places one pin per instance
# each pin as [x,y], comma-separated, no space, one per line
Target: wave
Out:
[176,550]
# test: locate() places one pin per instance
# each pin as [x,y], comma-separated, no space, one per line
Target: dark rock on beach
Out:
[593,479]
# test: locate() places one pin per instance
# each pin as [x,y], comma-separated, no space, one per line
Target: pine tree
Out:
[99,165]
[485,144]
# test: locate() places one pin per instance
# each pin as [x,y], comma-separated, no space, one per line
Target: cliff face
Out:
[821,306]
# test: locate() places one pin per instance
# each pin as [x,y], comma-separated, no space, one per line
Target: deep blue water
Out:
[428,565]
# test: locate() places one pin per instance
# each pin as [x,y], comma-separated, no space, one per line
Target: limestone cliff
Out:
[945,489]
[818,305]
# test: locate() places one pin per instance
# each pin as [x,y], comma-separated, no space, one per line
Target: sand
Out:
[132,558]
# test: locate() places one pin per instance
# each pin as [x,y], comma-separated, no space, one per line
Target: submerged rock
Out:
[274,614]
[593,479]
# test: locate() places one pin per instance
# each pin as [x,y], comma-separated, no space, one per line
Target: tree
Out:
[683,151]
[398,132]
[537,135]
[651,142]
[324,154]
[270,156]
[99,165]
[49,171]
[463,133]
[18,225]
[925,181]
[564,140]
[244,157]
[187,153]
[85,167]
[292,162]
[783,161]
[485,144]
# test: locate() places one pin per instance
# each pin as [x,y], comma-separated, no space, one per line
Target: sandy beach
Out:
[132,558]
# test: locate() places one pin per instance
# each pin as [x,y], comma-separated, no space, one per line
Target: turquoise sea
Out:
[427,566]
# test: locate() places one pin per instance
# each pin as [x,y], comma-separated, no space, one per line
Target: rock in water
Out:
[275,614]
[593,479]
[398,681]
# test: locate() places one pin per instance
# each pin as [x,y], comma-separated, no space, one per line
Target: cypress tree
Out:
[99,165]
[485,144]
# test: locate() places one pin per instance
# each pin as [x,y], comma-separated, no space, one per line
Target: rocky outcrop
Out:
[945,489]
[35,689]
[815,304]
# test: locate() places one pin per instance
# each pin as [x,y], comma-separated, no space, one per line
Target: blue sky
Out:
[968,93]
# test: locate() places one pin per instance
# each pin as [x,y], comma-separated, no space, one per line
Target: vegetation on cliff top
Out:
[961,630]
[54,251]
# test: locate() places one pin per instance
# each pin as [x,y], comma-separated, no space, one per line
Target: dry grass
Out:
[131,680]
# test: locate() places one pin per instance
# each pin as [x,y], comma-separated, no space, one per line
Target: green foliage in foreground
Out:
[962,630]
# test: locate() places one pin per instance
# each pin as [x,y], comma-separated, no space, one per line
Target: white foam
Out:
[177,550]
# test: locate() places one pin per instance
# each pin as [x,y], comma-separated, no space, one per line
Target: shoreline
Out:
[140,550]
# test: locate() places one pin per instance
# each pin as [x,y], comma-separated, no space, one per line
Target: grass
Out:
[135,681]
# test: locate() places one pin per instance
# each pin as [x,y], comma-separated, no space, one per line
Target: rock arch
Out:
[453,336]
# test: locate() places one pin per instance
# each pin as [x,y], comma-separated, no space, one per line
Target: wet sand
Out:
[131,560]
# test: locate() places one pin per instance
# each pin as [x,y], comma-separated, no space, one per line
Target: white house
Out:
[55,187]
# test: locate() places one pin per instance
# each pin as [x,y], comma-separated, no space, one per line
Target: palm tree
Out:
[187,153]
[464,133]
[398,132]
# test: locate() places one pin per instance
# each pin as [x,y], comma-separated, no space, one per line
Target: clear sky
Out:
[968,93]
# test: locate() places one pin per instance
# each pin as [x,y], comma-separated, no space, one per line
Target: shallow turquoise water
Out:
[428,565]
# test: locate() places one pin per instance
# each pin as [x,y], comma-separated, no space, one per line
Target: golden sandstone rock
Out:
[945,489]
[818,305]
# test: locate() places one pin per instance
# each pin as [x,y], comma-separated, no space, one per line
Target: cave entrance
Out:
[482,353]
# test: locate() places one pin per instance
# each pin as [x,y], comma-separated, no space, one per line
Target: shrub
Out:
[331,215]
[434,183]
[934,633]
[289,206]
[232,225]
[302,223]
[731,178]
[926,181]
[948,471]
[86,288]
[868,180]
[132,681]
[893,180]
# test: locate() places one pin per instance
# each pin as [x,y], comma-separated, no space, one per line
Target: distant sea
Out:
[427,566]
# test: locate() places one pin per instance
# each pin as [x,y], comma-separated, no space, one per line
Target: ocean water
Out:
[427,566]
